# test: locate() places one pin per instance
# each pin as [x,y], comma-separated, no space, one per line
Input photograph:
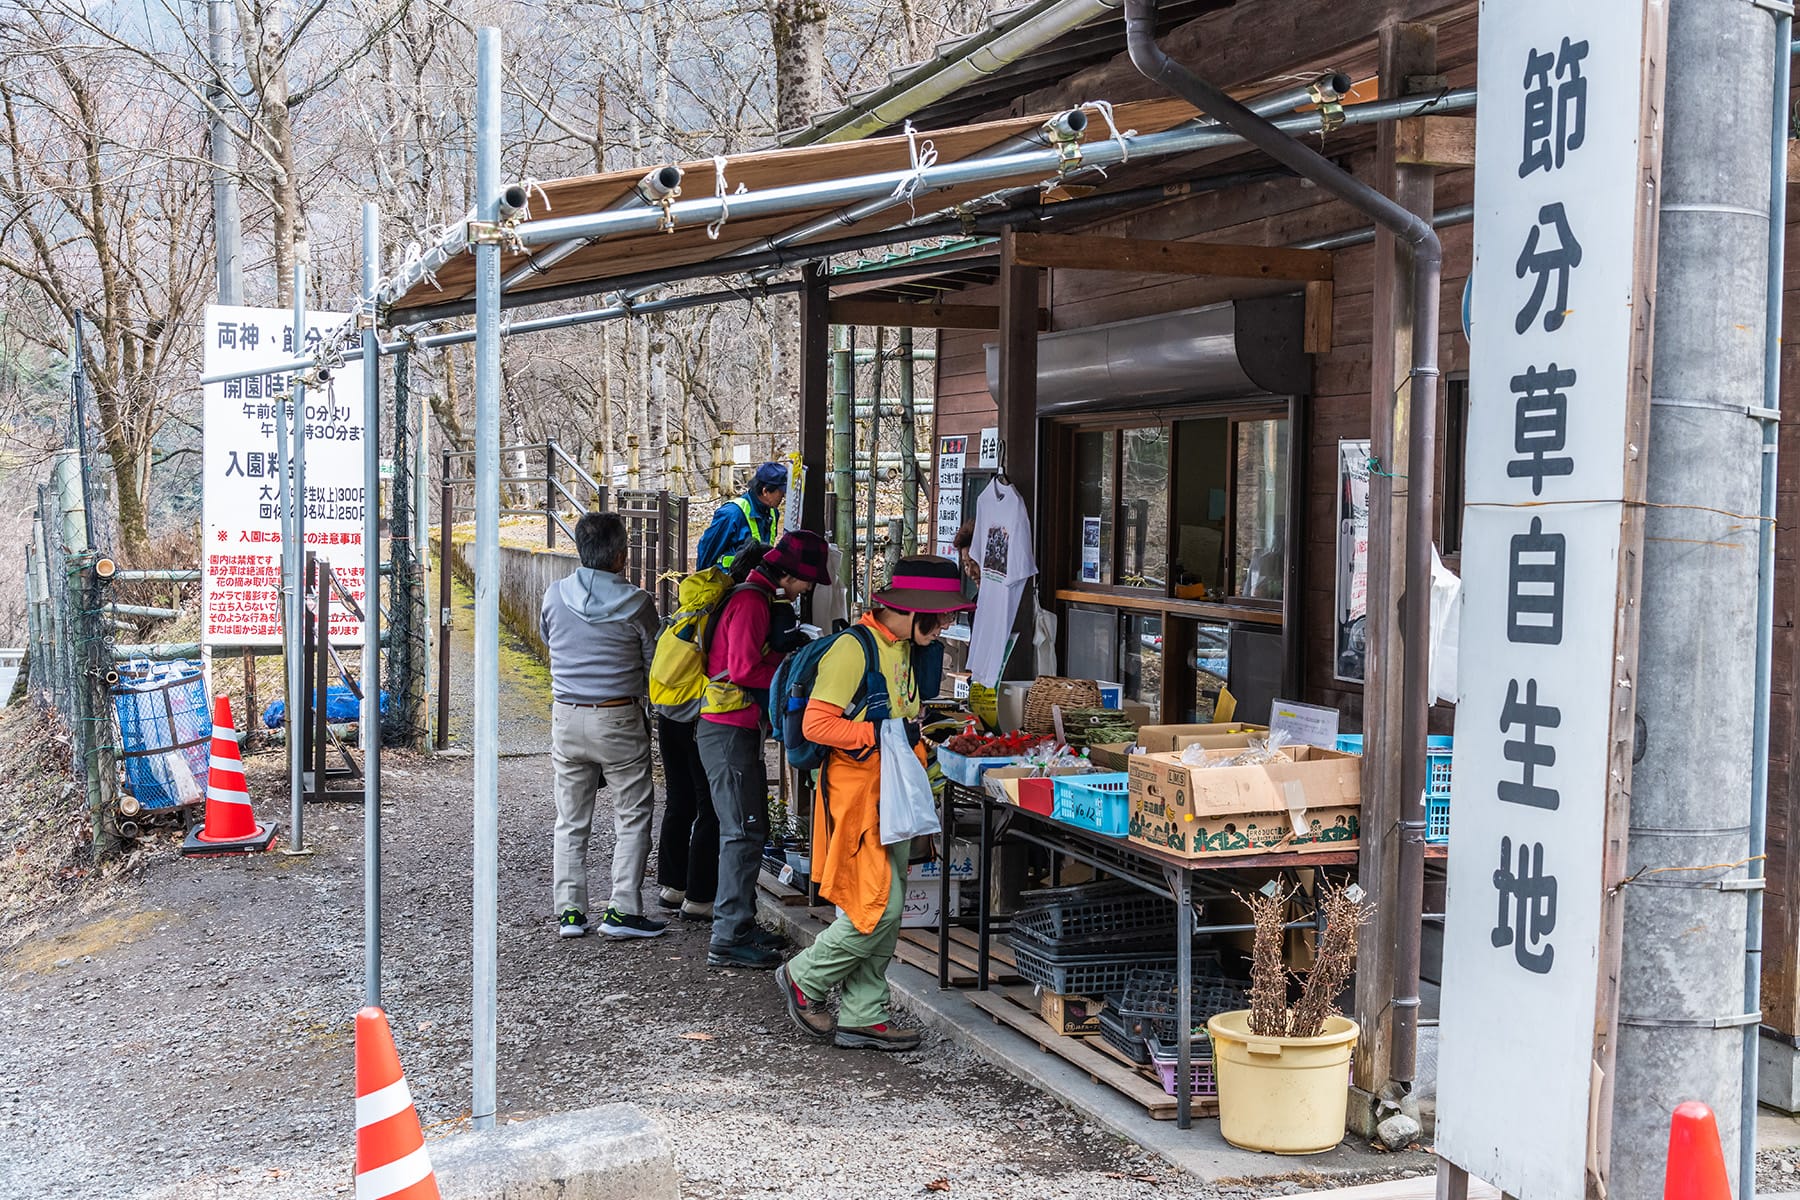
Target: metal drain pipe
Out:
[1415,613]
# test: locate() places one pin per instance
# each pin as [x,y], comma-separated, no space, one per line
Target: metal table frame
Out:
[1155,871]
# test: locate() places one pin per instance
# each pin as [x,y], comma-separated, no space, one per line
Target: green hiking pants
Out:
[856,961]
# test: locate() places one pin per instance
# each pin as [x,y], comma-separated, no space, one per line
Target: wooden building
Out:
[1222,549]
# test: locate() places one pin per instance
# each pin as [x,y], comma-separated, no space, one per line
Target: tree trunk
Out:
[797,31]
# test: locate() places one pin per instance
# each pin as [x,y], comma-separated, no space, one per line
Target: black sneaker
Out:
[616,924]
[573,924]
[745,955]
[767,938]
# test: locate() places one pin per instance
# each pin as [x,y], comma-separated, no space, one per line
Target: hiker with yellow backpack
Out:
[687,865]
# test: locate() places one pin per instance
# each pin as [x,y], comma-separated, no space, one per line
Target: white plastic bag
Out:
[908,809]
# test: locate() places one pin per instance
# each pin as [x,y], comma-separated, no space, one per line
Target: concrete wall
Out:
[524,575]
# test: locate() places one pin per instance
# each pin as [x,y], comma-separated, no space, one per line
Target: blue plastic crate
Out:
[1439,753]
[1098,802]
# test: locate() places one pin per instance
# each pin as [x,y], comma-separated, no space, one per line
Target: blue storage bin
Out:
[1098,802]
[1439,754]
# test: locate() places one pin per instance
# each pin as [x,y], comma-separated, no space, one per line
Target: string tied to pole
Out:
[924,156]
[723,194]
[1121,139]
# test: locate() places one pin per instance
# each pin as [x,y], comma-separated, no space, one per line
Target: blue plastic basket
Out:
[1098,802]
[1439,752]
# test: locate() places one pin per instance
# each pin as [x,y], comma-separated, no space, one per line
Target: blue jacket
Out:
[732,525]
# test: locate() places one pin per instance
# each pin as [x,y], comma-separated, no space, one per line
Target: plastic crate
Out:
[1097,802]
[1107,914]
[1201,1079]
[1149,1001]
[1080,974]
[1116,1036]
[966,770]
[1440,751]
[1437,819]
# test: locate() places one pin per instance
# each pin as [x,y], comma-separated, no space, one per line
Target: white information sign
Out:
[1559,193]
[952,456]
[987,455]
[241,563]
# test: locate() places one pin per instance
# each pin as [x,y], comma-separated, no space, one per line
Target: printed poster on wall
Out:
[1090,549]
[1352,559]
[952,455]
[240,592]
[1560,176]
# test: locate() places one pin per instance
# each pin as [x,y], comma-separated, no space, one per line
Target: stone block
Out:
[1778,1075]
[614,1152]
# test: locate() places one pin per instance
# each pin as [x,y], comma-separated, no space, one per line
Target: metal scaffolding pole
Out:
[909,447]
[293,567]
[371,655]
[487,571]
[843,445]
[874,454]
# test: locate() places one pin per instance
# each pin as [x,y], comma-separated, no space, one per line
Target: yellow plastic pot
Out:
[1285,1095]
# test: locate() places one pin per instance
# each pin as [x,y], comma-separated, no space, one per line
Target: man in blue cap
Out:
[754,515]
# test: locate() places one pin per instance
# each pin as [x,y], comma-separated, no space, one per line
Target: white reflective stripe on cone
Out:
[234,765]
[383,1103]
[385,1180]
[226,732]
[219,795]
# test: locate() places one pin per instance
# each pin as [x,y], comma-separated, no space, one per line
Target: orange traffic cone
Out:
[231,826]
[1696,1169]
[391,1163]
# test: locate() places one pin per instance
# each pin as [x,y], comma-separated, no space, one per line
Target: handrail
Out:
[574,466]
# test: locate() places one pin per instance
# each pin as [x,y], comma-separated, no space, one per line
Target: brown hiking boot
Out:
[877,1037]
[809,1017]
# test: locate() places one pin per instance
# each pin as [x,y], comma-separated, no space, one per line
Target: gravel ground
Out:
[185,1030]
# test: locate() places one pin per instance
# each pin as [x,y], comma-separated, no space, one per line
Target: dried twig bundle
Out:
[1268,969]
[1345,911]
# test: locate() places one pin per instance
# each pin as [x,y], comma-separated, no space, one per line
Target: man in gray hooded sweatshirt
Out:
[601,631]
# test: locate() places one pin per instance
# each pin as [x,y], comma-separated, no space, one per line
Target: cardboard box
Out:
[1309,802]
[920,910]
[1162,738]
[1071,1016]
[1028,787]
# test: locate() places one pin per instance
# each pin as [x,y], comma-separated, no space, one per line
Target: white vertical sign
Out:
[987,454]
[952,457]
[240,588]
[1558,207]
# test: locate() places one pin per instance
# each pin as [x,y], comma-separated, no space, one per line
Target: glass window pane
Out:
[1093,641]
[1212,667]
[1143,508]
[1144,662]
[1093,531]
[1260,541]
[1202,509]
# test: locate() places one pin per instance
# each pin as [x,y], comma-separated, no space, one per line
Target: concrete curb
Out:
[614,1152]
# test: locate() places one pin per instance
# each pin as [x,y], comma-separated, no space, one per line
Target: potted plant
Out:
[1281,1071]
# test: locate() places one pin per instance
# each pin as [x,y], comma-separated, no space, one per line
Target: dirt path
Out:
[186,1032]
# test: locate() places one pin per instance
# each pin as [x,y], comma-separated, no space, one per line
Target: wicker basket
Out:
[1051,691]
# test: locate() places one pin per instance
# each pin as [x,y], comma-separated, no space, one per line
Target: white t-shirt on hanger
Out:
[1002,549]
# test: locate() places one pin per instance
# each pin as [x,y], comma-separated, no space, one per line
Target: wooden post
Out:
[1406,50]
[446,519]
[1019,291]
[815,394]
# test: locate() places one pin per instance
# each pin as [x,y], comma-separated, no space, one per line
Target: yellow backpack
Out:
[678,668]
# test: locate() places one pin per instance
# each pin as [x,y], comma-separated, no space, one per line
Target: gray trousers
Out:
[583,743]
[740,795]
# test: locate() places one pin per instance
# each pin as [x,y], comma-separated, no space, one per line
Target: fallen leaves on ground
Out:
[698,1037]
[938,1185]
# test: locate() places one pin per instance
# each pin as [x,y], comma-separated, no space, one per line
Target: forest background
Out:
[107,167]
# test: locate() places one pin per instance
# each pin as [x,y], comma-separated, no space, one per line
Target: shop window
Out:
[1143,507]
[1211,661]
[1259,558]
[1094,471]
[1202,507]
[1143,648]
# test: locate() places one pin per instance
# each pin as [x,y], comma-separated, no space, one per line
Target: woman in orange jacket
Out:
[864,878]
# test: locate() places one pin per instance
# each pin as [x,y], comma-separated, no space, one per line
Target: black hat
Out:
[802,554]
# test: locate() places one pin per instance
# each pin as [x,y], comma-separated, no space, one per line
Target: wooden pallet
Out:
[1016,1008]
[781,891]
